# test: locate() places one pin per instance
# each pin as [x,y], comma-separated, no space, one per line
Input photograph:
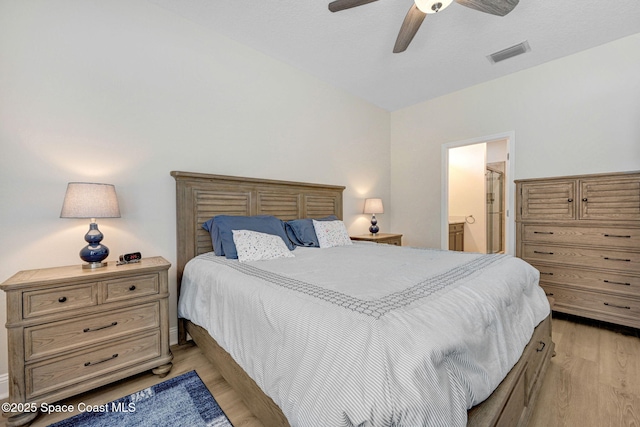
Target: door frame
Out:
[509,201]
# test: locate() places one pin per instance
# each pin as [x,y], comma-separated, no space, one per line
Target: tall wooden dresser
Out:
[583,234]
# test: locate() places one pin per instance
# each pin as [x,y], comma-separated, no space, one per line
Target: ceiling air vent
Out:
[509,52]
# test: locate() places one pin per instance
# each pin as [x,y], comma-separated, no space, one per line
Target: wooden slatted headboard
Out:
[201,196]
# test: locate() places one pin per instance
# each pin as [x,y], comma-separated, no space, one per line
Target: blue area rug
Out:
[180,401]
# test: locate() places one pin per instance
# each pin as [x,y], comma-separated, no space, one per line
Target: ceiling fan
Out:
[421,8]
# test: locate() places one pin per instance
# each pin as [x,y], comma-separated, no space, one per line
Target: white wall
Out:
[123,92]
[497,152]
[575,115]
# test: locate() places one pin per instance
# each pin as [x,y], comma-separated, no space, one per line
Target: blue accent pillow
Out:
[261,223]
[216,241]
[302,233]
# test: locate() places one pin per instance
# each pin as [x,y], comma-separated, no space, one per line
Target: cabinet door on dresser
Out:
[548,200]
[610,199]
[456,236]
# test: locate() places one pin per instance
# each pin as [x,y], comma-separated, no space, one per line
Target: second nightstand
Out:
[387,238]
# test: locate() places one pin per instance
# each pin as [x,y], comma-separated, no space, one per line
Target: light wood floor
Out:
[594,380]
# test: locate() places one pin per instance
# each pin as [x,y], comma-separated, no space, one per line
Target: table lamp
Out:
[373,206]
[91,200]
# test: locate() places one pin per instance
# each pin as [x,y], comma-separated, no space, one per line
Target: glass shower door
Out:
[495,211]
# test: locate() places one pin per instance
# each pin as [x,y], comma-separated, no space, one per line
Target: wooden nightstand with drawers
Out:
[387,238]
[71,330]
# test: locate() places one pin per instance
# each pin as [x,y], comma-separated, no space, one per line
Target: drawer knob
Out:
[569,200]
[543,232]
[542,346]
[584,199]
[132,287]
[62,299]
[100,327]
[617,235]
[101,361]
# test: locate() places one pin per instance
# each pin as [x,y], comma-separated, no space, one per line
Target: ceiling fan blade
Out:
[410,27]
[338,5]
[494,7]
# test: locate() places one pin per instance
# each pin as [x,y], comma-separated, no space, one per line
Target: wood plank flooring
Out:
[594,380]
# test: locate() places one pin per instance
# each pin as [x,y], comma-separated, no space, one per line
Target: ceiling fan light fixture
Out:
[421,8]
[432,6]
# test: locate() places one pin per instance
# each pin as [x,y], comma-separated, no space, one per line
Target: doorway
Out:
[486,210]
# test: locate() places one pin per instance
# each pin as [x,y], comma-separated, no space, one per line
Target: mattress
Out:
[368,334]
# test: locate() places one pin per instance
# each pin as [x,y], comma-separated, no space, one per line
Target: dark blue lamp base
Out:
[94,253]
[374,225]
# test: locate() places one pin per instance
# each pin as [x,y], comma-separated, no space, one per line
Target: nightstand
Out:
[389,239]
[71,330]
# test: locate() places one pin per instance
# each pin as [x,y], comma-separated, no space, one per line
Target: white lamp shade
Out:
[90,200]
[373,206]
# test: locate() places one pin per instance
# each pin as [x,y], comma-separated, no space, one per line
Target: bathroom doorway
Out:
[485,211]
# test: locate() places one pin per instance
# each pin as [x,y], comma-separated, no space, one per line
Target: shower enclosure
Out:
[495,208]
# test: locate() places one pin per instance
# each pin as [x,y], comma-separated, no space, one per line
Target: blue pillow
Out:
[213,230]
[302,233]
[292,235]
[261,223]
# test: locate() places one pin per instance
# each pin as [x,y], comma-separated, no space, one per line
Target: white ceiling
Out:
[352,49]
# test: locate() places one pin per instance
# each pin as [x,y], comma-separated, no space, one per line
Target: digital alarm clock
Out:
[129,258]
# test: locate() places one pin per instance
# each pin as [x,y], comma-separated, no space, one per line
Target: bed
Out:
[202,196]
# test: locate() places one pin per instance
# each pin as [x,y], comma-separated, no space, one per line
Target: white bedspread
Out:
[367,334]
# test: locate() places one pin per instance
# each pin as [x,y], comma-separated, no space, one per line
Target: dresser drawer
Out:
[62,372]
[64,298]
[456,227]
[131,287]
[395,242]
[516,405]
[594,280]
[54,338]
[611,308]
[596,236]
[540,345]
[595,258]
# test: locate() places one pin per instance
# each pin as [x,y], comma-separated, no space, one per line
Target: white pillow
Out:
[255,246]
[331,233]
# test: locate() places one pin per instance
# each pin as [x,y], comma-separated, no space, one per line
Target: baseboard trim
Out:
[173,335]
[4,386]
